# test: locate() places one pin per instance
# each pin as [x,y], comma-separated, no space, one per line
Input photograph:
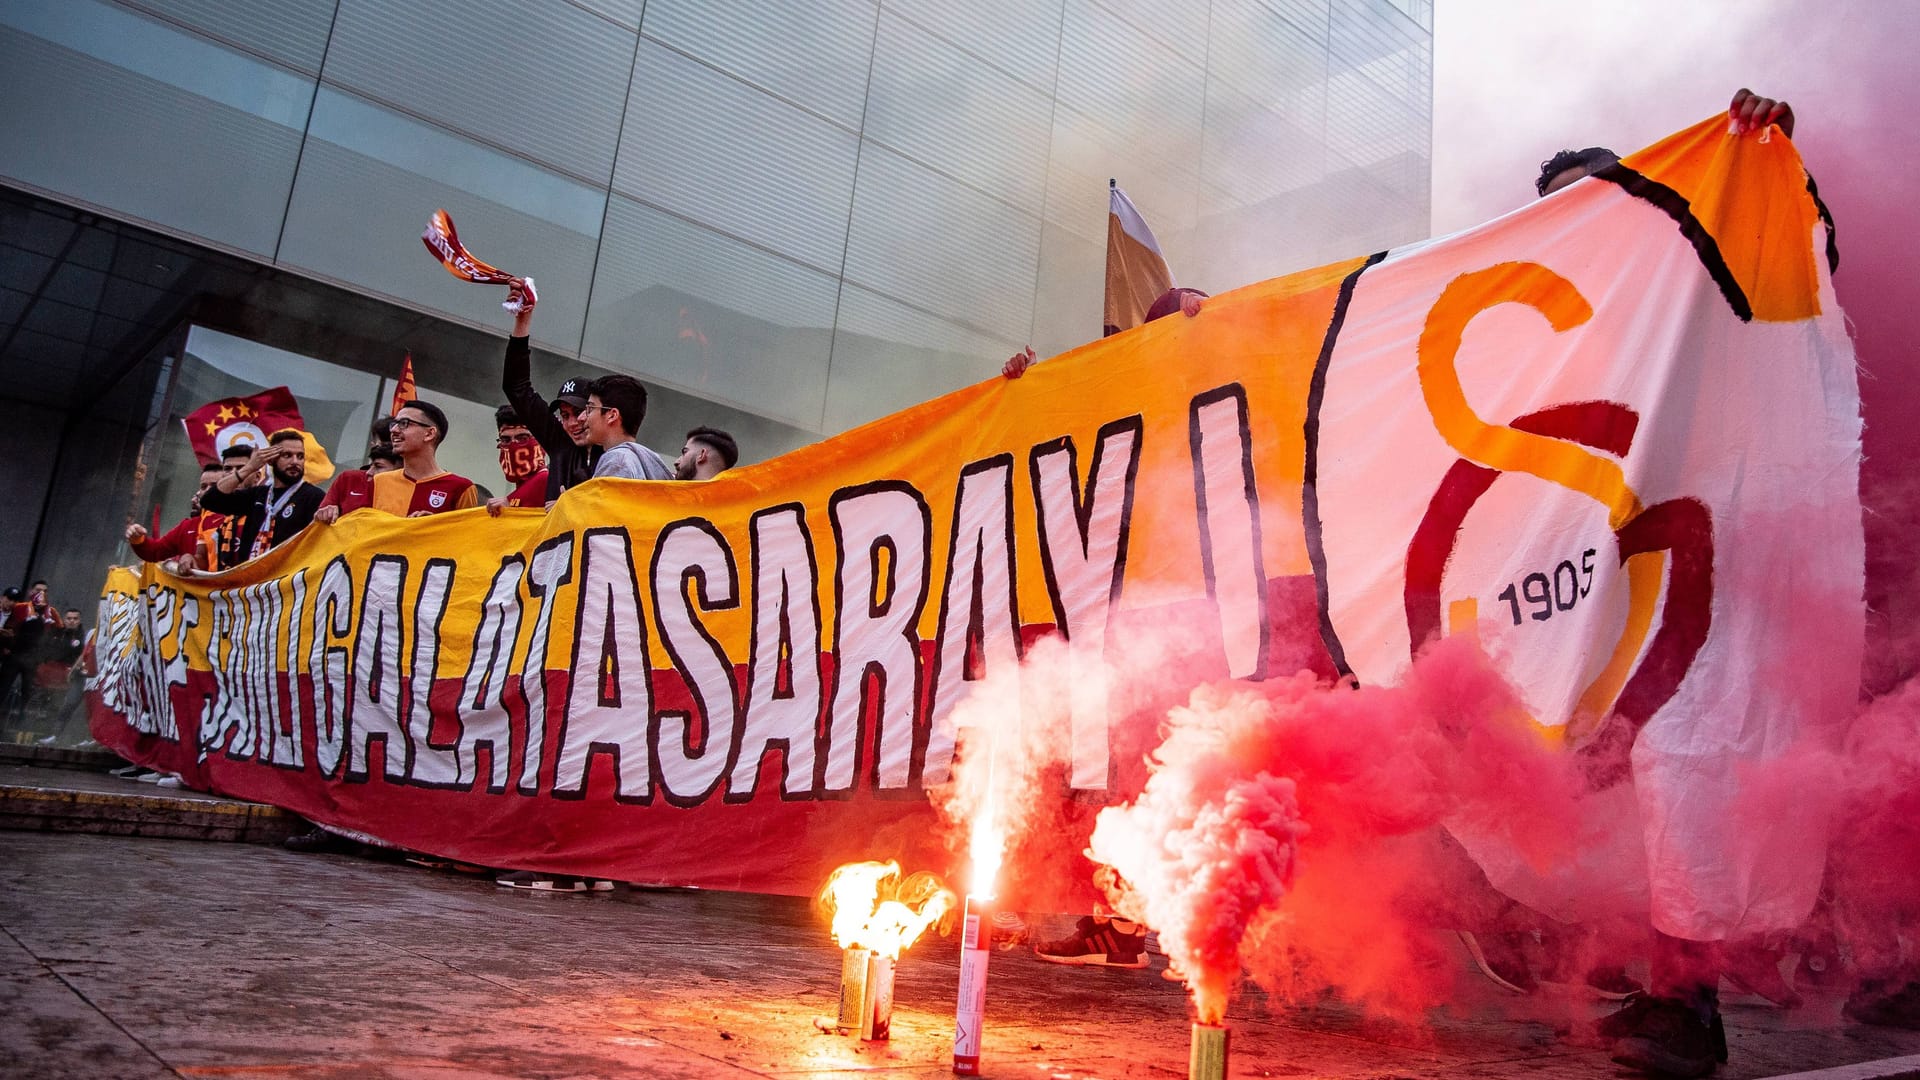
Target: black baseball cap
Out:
[13,592]
[572,392]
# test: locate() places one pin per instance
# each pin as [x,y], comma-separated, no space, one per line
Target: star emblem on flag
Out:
[248,421]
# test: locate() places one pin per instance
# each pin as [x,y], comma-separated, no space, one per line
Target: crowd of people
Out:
[257,497]
[40,647]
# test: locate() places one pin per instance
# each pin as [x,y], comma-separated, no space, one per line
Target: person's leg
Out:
[1674,1029]
[70,718]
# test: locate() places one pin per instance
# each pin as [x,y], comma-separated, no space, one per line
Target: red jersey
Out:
[351,489]
[182,539]
[397,493]
[531,492]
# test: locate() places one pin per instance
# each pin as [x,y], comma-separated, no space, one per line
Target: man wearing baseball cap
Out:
[558,427]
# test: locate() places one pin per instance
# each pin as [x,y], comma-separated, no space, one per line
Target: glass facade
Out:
[790,219]
[727,196]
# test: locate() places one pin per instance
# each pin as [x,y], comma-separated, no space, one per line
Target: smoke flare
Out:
[1257,786]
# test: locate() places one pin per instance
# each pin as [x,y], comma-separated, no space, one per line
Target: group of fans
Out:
[39,645]
[257,497]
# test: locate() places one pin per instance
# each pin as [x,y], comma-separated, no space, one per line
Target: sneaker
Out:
[1501,958]
[169,781]
[539,881]
[1673,1038]
[1096,944]
[316,841]
[128,772]
[151,777]
[1882,1003]
[1625,1020]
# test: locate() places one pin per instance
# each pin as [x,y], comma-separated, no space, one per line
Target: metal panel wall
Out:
[815,212]
[121,110]
[541,78]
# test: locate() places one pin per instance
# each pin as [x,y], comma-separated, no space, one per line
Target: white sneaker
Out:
[169,781]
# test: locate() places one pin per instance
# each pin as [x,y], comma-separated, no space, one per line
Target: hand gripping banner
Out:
[1614,434]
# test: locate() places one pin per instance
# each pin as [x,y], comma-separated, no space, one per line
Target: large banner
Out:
[1615,434]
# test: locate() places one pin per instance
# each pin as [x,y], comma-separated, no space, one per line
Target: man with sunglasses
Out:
[559,427]
[523,461]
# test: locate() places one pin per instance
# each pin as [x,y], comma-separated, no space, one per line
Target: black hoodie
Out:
[567,464]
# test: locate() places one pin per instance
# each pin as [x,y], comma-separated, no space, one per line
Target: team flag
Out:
[405,390]
[445,245]
[249,421]
[1136,271]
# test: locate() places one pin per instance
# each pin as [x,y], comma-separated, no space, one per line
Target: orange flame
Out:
[872,907]
[986,843]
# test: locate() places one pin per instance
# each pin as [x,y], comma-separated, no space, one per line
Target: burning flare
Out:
[873,907]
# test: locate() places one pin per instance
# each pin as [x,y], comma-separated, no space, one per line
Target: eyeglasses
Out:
[505,441]
[404,422]
[582,410]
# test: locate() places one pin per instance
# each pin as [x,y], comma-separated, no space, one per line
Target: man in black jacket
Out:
[272,513]
[558,427]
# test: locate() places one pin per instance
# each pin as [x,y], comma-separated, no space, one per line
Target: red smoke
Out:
[1293,827]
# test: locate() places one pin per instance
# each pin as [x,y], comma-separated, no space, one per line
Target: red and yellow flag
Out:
[249,421]
[404,390]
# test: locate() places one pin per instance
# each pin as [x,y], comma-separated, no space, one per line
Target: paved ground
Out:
[135,957]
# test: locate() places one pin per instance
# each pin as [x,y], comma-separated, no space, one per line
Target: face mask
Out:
[521,458]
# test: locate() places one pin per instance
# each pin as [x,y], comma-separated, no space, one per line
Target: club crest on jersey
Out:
[436,499]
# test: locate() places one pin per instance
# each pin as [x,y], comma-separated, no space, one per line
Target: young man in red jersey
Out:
[418,488]
[180,545]
[523,461]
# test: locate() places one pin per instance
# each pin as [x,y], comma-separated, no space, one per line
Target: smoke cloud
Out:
[1516,81]
[1293,828]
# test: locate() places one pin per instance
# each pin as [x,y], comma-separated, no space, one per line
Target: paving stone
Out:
[143,957]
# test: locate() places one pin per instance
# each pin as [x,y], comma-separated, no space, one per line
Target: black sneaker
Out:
[1883,1003]
[1096,944]
[1625,1020]
[539,881]
[318,841]
[1673,1038]
[1501,958]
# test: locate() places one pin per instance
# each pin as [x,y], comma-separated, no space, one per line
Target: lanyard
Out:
[263,540]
